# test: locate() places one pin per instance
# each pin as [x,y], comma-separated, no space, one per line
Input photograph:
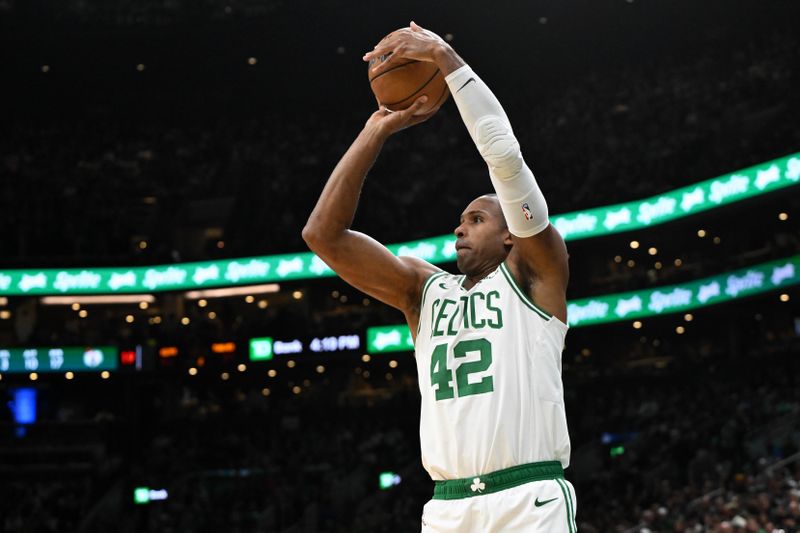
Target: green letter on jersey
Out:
[440,374]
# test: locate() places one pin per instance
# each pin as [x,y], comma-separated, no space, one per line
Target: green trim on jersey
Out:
[425,287]
[428,284]
[521,293]
[456,489]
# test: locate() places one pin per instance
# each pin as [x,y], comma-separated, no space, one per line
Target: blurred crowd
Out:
[254,453]
[43,507]
[163,170]
[684,468]
[100,179]
[304,451]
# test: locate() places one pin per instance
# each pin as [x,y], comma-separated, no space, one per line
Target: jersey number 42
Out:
[442,376]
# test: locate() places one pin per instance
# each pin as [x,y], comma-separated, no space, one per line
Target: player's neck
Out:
[474,278]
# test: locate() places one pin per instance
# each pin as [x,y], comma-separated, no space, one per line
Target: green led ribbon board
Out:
[640,304]
[58,359]
[709,194]
[686,201]
[395,338]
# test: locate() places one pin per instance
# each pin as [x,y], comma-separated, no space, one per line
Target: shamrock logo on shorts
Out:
[477,486]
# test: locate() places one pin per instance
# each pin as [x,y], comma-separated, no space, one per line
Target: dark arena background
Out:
[255,391]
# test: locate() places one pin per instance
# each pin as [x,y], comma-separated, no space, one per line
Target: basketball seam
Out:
[439,101]
[391,69]
[441,96]
[415,92]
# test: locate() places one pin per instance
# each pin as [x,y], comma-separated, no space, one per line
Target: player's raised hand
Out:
[414,42]
[388,122]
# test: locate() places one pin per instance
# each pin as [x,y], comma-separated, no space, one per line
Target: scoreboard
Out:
[58,359]
[264,348]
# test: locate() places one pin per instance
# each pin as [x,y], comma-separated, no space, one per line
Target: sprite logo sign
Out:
[389,339]
[691,295]
[638,304]
[710,194]
[681,202]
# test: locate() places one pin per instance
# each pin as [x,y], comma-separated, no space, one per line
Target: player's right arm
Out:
[357,258]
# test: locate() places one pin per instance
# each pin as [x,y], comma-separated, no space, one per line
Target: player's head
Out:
[482,237]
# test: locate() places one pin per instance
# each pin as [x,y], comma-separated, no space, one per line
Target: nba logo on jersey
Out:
[526,210]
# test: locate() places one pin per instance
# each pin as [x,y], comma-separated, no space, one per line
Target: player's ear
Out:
[507,241]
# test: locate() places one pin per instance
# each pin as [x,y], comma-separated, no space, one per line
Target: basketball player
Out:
[488,342]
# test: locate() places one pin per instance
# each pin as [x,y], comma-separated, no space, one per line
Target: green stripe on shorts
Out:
[568,501]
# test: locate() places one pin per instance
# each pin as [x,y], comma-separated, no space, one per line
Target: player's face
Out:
[482,237]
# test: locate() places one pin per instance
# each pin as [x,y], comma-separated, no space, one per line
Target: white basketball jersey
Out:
[489,365]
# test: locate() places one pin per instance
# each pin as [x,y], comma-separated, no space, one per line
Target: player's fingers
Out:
[379,50]
[416,119]
[414,108]
[416,27]
[386,60]
[380,60]
[386,46]
[378,113]
[389,44]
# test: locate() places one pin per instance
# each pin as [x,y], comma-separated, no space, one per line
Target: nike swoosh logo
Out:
[537,503]
[465,84]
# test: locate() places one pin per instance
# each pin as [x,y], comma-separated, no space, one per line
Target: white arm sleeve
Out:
[523,204]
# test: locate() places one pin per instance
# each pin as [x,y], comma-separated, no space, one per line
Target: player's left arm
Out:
[538,258]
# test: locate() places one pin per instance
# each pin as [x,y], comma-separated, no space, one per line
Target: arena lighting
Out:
[145,495]
[104,299]
[233,291]
[261,349]
[223,347]
[684,297]
[387,480]
[640,214]
[634,305]
[3,301]
[127,357]
[617,451]
[168,351]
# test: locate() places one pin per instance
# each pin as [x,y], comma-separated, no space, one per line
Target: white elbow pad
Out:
[524,206]
[498,146]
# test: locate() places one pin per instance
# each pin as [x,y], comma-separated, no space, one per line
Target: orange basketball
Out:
[407,80]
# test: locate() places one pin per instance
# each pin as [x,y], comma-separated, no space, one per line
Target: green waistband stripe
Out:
[455,489]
